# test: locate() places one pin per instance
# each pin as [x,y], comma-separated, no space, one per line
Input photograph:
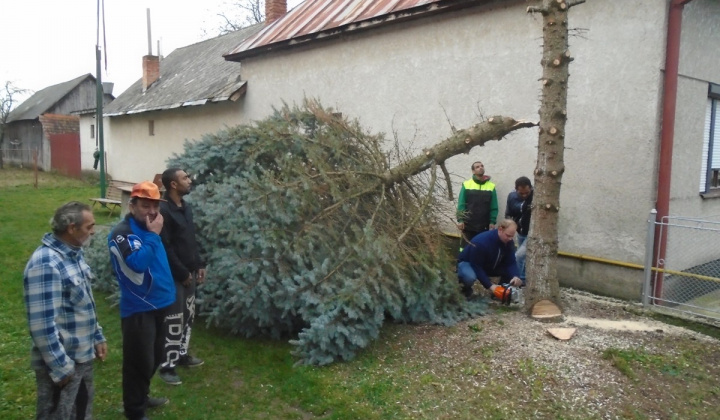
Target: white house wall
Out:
[135,156]
[418,78]
[699,66]
[87,141]
[609,183]
[413,78]
[481,63]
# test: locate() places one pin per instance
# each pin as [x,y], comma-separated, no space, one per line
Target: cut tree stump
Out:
[562,334]
[546,311]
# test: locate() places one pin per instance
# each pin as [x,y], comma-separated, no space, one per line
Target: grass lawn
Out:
[500,366]
[240,379]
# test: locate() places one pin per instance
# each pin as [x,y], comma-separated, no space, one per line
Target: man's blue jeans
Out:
[466,276]
[520,255]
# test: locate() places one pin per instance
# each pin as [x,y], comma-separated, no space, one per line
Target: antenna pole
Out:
[149,33]
[99,104]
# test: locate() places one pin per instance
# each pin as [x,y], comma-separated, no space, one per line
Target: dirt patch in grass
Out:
[17,177]
[620,363]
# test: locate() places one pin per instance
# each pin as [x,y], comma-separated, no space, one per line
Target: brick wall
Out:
[151,70]
[59,124]
[274,10]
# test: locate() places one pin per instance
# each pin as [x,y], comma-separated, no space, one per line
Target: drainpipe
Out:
[672,61]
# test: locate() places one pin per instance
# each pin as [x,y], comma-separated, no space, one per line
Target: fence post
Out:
[35,168]
[649,246]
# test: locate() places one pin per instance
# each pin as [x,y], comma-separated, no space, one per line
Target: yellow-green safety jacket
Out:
[477,204]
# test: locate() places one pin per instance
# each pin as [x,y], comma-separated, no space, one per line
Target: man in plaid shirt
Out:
[61,315]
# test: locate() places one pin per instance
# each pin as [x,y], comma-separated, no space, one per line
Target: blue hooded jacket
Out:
[141,266]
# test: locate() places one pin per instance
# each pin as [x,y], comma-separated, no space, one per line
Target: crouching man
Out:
[489,254]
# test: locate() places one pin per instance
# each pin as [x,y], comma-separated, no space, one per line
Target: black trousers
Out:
[467,237]
[470,234]
[143,336]
[178,324]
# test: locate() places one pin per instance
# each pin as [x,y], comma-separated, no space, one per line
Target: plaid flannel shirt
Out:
[60,308]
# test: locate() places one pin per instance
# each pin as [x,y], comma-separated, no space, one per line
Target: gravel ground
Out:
[505,365]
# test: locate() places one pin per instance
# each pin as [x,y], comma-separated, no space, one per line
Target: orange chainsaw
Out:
[507,294]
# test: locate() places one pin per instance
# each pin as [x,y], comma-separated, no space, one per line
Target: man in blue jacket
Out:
[489,254]
[146,291]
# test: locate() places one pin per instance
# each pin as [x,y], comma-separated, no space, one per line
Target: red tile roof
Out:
[316,19]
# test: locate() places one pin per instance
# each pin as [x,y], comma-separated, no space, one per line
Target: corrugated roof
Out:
[192,75]
[314,19]
[45,99]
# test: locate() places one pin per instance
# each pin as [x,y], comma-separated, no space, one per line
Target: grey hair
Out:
[68,214]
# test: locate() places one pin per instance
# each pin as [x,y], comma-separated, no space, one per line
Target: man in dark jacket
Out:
[519,204]
[489,254]
[477,204]
[187,268]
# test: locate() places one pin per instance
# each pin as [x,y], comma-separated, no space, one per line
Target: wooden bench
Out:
[113,196]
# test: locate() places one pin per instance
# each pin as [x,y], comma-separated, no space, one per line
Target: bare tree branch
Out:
[421,210]
[229,26]
[495,128]
[8,98]
[446,174]
[250,13]
[562,4]
[541,10]
[452,126]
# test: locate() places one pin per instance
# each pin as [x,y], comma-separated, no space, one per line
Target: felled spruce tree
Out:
[309,233]
[98,258]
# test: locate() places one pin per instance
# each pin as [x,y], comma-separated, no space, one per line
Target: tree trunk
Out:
[461,141]
[542,279]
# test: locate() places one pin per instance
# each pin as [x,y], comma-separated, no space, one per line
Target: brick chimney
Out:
[151,71]
[274,10]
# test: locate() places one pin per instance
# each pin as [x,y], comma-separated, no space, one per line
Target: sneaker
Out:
[190,361]
[170,377]
[154,402]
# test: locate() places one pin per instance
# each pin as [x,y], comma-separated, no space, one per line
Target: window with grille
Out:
[710,172]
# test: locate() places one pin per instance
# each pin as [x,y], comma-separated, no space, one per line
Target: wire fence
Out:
[684,274]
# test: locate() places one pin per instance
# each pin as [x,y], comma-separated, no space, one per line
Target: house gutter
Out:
[672,63]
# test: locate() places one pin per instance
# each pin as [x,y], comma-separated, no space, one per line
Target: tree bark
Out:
[542,248]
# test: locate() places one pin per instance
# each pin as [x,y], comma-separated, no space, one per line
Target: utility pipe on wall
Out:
[672,63]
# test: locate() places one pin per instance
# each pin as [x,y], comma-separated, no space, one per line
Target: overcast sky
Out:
[46,42]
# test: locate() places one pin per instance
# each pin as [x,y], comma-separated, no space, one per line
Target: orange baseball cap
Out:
[147,190]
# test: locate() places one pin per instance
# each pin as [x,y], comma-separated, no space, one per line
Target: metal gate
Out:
[682,273]
[65,153]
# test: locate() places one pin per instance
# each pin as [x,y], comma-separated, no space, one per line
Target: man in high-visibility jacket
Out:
[477,204]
